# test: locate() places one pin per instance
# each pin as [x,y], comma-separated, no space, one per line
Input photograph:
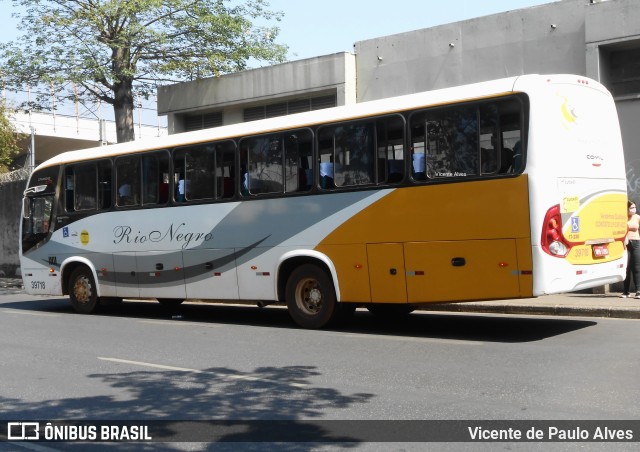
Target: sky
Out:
[313,29]
[329,26]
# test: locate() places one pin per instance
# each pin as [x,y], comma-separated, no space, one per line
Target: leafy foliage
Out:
[8,140]
[109,48]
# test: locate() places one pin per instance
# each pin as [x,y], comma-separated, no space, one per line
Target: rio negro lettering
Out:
[174,234]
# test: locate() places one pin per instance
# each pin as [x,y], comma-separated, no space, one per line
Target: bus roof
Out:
[306,119]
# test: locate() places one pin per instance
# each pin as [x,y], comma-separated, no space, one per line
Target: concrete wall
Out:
[501,45]
[11,204]
[629,116]
[233,92]
[612,25]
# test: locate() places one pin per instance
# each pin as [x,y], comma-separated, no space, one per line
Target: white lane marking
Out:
[178,323]
[41,314]
[205,372]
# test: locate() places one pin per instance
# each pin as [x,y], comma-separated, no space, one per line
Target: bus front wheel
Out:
[82,291]
[311,298]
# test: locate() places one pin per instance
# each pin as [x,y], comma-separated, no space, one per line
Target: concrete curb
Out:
[621,312]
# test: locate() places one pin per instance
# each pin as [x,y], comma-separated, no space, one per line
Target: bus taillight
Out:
[553,241]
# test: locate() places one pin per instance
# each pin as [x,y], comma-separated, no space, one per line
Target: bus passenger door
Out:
[387,273]
[126,278]
[462,270]
[161,274]
[211,274]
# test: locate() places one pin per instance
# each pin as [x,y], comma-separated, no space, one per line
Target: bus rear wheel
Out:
[82,291]
[310,296]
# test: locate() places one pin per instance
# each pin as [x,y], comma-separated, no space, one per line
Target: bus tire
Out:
[310,296]
[390,311]
[82,291]
[170,302]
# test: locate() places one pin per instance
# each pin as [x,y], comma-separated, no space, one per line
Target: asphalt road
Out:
[139,361]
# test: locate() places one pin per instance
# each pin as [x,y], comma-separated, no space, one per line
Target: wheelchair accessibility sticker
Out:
[575,224]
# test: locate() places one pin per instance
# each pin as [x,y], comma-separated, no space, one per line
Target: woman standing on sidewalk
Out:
[632,241]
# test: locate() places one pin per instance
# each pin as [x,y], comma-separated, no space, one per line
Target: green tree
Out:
[110,49]
[9,147]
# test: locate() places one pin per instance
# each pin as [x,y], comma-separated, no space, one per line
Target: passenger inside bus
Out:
[419,166]
[124,194]
[506,161]
[181,191]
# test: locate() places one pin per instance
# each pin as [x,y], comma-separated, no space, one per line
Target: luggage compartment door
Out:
[462,270]
[386,273]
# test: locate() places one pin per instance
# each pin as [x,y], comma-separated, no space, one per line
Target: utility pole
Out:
[32,149]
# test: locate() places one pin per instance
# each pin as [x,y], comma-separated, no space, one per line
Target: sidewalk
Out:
[571,304]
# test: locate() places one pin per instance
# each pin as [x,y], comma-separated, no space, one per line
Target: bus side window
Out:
[128,181]
[204,171]
[325,159]
[448,140]
[418,150]
[511,135]
[265,164]
[225,169]
[491,153]
[81,182]
[390,142]
[68,189]
[500,128]
[155,178]
[200,163]
[347,152]
[298,161]
[104,184]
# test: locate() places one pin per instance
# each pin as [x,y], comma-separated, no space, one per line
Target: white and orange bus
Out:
[512,188]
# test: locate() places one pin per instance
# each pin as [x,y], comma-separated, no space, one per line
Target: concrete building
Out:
[596,38]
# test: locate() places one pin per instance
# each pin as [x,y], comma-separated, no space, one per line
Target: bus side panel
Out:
[461,210]
[525,263]
[387,272]
[160,274]
[462,270]
[211,274]
[350,263]
[126,274]
[485,222]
